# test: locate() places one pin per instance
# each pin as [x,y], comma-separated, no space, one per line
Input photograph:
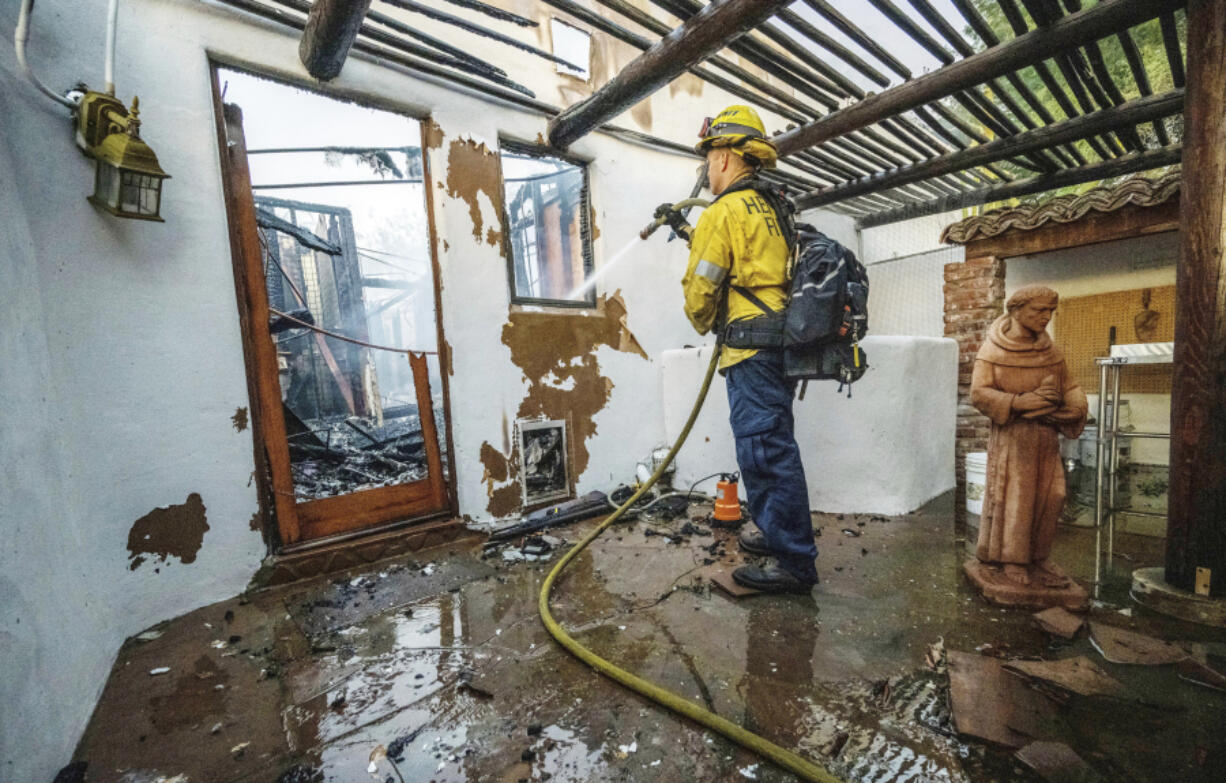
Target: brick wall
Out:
[974,298]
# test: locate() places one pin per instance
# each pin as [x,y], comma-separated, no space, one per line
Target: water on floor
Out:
[437,668]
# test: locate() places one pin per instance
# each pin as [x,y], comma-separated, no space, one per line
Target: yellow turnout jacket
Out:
[738,236]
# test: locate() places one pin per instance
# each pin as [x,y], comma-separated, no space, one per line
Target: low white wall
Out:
[887,450]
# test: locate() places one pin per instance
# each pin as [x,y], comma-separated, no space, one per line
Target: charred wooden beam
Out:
[942,25]
[784,104]
[430,40]
[1125,115]
[849,29]
[1013,15]
[1106,18]
[1125,164]
[464,24]
[698,38]
[496,13]
[1079,73]
[1174,55]
[810,82]
[1196,525]
[787,106]
[800,25]
[331,28]
[470,65]
[1141,77]
[792,72]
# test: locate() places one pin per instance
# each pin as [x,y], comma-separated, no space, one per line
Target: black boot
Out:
[771,579]
[753,541]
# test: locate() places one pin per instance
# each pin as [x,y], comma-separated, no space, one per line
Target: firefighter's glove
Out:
[674,220]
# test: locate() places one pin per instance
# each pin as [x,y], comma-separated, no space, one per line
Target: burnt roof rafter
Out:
[1037,100]
[1129,113]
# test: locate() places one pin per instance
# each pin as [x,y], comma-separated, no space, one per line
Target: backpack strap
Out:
[752,297]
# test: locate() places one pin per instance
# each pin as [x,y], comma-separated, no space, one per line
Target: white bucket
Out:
[976,480]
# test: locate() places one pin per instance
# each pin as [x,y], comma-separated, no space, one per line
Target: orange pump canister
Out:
[727,507]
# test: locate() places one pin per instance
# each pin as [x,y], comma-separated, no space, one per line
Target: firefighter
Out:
[739,252]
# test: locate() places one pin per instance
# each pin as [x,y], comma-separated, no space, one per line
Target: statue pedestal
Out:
[992,583]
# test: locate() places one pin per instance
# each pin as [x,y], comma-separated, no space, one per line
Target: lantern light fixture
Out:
[128,179]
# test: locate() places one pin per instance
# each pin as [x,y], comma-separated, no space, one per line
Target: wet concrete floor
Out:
[437,668]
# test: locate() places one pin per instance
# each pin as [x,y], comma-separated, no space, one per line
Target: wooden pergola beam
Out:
[1125,164]
[1104,19]
[1196,525]
[698,38]
[1125,115]
[331,28]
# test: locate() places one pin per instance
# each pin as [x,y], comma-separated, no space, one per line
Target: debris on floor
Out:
[1078,675]
[1059,621]
[1117,645]
[590,505]
[720,575]
[1193,671]
[1057,763]
[935,656]
[993,705]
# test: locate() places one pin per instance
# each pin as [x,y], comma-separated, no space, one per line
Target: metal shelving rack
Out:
[1106,475]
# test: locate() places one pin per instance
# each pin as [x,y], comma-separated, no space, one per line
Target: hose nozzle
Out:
[687,203]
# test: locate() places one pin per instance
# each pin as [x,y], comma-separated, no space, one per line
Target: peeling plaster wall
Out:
[125,364]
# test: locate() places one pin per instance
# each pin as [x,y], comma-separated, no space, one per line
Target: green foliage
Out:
[1148,40]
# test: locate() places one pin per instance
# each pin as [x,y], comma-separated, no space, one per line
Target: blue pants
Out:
[760,401]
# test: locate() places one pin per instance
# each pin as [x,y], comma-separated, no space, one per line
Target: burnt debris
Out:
[335,455]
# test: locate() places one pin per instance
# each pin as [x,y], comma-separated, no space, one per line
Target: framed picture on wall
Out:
[544,466]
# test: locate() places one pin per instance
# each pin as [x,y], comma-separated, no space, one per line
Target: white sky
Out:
[884,32]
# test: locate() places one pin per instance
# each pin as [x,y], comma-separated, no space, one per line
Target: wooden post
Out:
[331,29]
[1196,528]
[708,31]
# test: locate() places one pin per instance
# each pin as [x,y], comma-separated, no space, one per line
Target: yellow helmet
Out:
[740,128]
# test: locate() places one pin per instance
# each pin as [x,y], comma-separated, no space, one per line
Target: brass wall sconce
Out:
[128,179]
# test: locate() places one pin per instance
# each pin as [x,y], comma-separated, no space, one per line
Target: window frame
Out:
[515,147]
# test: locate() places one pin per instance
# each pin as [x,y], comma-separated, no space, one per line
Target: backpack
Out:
[827,312]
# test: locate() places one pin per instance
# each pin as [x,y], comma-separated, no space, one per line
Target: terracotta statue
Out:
[1022,384]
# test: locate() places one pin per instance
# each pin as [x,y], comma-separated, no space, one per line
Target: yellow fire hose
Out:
[786,759]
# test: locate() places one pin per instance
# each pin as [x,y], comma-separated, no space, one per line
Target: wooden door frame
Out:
[288,523]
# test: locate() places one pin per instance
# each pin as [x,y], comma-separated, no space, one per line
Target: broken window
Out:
[572,45]
[547,221]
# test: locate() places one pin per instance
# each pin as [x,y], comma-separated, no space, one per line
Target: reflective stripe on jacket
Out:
[738,235]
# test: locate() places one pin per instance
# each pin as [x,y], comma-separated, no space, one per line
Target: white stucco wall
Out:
[886,450]
[123,346]
[906,263]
